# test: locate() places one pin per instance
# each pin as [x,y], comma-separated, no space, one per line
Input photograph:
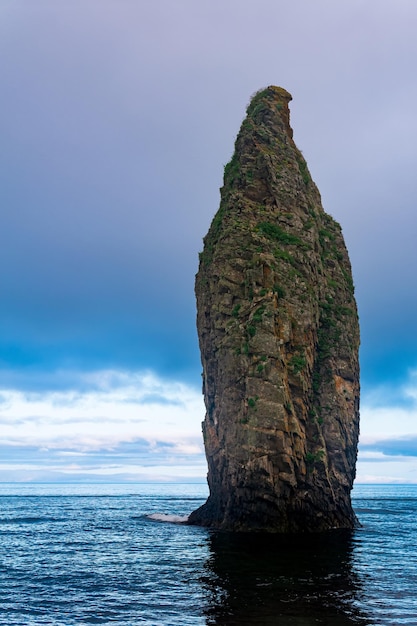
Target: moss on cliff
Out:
[279,338]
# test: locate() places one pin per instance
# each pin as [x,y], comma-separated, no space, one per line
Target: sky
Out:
[116,120]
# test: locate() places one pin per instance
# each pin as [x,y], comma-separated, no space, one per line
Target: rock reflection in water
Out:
[282,580]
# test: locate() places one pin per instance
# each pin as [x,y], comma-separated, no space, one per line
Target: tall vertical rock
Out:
[279,338]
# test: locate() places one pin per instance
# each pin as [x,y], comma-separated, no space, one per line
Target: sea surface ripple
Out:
[121,554]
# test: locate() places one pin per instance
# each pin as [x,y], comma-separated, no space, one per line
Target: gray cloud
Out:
[137,460]
[116,121]
[401,446]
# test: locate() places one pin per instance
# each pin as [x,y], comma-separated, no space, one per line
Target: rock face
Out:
[279,338]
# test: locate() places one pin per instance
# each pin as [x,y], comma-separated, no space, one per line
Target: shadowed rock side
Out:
[279,338]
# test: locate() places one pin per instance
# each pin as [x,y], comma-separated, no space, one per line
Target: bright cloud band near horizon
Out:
[122,426]
[135,426]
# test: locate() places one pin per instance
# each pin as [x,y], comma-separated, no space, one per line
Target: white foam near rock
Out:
[164,517]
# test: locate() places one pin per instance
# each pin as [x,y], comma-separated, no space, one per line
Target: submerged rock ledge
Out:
[279,338]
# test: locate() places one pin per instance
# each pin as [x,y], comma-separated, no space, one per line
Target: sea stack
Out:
[279,338]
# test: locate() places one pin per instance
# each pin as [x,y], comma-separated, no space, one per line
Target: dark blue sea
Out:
[90,554]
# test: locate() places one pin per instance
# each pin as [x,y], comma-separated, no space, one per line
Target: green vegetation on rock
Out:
[279,338]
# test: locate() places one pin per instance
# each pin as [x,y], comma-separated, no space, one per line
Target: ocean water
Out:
[107,554]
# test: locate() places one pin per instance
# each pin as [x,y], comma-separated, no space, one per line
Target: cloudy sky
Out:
[116,118]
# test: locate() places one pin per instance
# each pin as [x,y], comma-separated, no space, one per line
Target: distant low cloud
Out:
[137,426]
[401,447]
[388,442]
[390,412]
[123,424]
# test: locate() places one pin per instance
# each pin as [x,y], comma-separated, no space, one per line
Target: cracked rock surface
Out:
[279,338]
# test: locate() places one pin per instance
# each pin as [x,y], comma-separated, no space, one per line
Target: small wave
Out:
[164,517]
[28,520]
